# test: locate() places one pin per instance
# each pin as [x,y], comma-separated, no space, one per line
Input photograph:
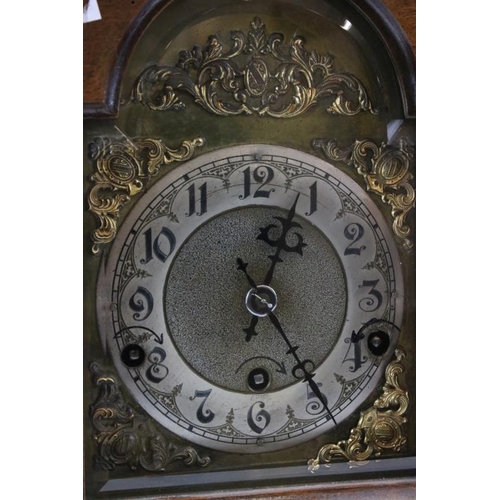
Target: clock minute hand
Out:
[280,243]
[301,364]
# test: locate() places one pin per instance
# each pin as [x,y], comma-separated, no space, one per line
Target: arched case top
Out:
[369,23]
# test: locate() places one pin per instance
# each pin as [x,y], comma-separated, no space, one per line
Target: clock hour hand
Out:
[242,266]
[300,371]
[250,331]
[281,243]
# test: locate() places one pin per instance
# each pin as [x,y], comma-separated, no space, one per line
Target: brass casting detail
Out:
[379,429]
[386,170]
[126,438]
[255,76]
[123,169]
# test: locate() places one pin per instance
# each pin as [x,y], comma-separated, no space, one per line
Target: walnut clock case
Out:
[250,255]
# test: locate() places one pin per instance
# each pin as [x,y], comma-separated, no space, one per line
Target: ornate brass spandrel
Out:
[124,437]
[255,76]
[124,168]
[380,428]
[386,171]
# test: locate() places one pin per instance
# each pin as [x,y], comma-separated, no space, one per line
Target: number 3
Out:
[368,304]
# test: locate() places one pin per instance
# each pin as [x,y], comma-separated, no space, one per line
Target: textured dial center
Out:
[204,278]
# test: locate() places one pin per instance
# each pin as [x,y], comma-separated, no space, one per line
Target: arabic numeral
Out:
[375,299]
[355,356]
[315,407]
[263,175]
[246,183]
[261,419]
[157,372]
[354,232]
[192,200]
[155,247]
[141,301]
[202,414]
[313,199]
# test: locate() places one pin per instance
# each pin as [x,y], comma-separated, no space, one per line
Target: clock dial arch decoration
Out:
[272,81]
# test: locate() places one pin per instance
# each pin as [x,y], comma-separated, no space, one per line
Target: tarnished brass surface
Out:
[124,437]
[123,169]
[386,171]
[109,197]
[380,428]
[254,77]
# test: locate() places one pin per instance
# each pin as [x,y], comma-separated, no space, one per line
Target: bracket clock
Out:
[249,255]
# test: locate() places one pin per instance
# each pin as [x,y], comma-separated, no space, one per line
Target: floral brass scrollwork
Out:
[123,169]
[386,170]
[125,438]
[379,429]
[255,77]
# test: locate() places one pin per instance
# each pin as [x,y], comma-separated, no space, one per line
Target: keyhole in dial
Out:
[258,380]
[378,343]
[133,355]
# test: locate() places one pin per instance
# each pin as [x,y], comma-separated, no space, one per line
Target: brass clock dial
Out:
[252,298]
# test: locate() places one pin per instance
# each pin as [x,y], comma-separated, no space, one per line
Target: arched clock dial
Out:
[252,298]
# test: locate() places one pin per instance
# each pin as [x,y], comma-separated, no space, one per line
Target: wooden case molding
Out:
[371,489]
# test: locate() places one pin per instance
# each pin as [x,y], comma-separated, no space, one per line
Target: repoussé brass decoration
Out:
[126,438]
[255,76]
[379,429]
[386,170]
[123,169]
